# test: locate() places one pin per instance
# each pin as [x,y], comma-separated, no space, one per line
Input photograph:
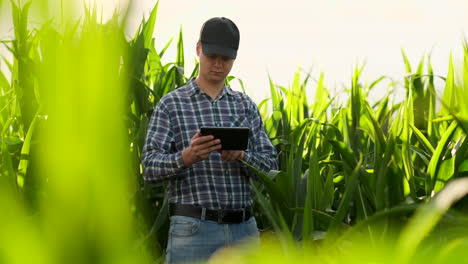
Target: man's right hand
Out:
[200,148]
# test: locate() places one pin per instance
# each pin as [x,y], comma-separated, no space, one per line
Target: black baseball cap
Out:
[219,35]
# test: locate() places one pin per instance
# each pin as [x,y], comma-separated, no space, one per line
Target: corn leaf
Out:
[437,157]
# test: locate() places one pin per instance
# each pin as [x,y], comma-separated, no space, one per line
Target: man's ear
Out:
[198,48]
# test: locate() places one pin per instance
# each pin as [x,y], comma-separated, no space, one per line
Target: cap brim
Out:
[208,49]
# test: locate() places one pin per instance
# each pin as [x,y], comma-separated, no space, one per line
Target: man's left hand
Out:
[232,155]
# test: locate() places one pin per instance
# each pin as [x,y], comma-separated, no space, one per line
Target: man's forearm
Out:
[159,167]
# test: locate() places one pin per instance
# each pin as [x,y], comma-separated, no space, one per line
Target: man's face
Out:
[214,68]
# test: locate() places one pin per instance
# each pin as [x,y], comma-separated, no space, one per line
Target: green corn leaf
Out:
[148,28]
[382,166]
[7,172]
[161,218]
[268,209]
[168,82]
[345,152]
[295,100]
[377,129]
[426,217]
[407,66]
[378,217]
[180,61]
[436,159]
[427,145]
[328,192]
[460,157]
[431,99]
[345,127]
[295,159]
[443,119]
[7,62]
[322,101]
[24,162]
[444,173]
[284,226]
[4,84]
[356,105]
[283,184]
[422,154]
[350,188]
[315,179]
[463,168]
[313,193]
[405,137]
[382,111]
[449,98]
[20,20]
[274,94]
[308,220]
[263,109]
[154,61]
[273,189]
[374,83]
[163,51]
[465,62]
[419,103]
[361,198]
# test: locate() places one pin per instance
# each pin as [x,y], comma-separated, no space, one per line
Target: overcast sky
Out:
[331,36]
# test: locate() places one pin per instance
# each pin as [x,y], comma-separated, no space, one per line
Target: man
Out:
[208,192]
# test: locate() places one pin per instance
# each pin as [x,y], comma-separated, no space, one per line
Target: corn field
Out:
[358,182]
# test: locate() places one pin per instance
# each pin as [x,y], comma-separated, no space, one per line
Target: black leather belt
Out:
[220,216]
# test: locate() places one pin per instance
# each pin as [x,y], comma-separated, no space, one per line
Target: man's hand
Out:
[199,149]
[232,155]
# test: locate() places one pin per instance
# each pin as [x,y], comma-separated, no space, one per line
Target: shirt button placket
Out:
[217,123]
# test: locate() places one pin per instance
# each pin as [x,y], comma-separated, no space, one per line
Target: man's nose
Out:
[218,61]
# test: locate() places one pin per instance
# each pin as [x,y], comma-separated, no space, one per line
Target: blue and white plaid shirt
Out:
[212,183]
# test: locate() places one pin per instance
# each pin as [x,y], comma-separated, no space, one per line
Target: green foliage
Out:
[357,161]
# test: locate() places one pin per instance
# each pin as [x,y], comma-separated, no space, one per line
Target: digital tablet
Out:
[232,138]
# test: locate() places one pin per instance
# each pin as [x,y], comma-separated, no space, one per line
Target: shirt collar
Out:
[193,88]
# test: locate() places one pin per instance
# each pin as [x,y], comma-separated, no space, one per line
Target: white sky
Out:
[331,36]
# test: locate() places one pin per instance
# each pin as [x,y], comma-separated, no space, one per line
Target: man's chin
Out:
[217,78]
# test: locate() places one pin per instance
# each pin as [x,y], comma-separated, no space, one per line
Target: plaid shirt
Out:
[212,183]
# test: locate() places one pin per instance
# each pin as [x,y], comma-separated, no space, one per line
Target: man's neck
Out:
[210,88]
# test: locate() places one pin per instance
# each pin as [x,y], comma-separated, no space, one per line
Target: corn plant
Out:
[343,165]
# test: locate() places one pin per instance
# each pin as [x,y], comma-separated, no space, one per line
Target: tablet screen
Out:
[232,138]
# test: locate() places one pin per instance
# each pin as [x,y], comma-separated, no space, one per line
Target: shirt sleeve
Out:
[261,153]
[159,158]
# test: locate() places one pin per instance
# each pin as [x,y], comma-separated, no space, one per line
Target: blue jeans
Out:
[192,240]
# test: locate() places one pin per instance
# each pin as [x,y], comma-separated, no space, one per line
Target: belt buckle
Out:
[220,216]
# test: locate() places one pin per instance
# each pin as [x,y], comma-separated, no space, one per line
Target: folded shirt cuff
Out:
[180,161]
[247,157]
